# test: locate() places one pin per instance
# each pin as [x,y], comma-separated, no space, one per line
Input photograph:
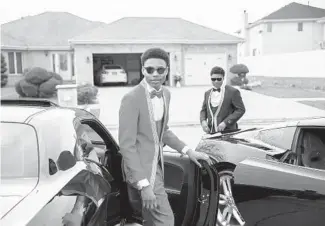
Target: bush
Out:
[87,94]
[18,89]
[238,81]
[37,82]
[37,76]
[3,65]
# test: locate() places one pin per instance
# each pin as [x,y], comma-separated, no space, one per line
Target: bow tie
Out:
[154,93]
[216,89]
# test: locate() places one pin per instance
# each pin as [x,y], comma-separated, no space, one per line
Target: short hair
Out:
[217,70]
[155,53]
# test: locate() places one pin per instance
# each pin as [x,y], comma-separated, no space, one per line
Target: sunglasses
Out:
[216,79]
[151,70]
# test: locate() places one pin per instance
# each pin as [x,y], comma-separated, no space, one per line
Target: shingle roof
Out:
[46,29]
[296,11]
[153,29]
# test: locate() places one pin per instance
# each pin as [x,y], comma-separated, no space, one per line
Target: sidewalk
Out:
[186,104]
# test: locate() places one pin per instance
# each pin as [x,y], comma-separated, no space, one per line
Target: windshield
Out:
[19,151]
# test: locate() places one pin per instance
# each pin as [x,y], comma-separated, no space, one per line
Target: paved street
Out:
[186,103]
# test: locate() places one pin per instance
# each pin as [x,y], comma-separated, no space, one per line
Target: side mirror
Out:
[288,157]
[66,161]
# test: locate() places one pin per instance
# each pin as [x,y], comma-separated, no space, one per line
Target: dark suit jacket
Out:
[230,110]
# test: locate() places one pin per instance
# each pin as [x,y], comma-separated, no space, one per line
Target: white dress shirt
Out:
[216,98]
[157,105]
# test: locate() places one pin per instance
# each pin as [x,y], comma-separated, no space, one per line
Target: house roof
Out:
[154,30]
[46,30]
[296,11]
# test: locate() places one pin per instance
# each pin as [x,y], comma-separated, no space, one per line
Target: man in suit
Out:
[143,130]
[222,105]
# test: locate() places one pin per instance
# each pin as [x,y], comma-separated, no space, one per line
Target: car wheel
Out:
[228,213]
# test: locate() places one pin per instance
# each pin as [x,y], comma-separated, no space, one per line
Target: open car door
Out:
[189,190]
[271,193]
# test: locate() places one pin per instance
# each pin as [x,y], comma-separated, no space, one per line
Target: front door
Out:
[62,64]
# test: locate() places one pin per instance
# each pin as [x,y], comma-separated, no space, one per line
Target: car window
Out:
[19,151]
[112,67]
[279,137]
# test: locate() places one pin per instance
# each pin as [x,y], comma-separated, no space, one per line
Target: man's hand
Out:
[221,127]
[205,126]
[195,156]
[149,200]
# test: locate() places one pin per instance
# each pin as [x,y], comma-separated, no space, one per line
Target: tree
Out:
[3,65]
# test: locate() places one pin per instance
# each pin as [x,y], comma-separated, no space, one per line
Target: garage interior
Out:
[130,62]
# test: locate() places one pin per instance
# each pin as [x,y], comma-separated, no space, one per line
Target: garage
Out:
[130,63]
[198,66]
[193,49]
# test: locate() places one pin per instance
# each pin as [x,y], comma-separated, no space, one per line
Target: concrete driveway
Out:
[186,104]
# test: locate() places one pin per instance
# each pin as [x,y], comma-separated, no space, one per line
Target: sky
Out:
[222,15]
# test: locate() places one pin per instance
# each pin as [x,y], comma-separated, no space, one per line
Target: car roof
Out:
[23,110]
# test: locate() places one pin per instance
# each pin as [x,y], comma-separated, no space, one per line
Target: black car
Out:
[271,176]
[61,165]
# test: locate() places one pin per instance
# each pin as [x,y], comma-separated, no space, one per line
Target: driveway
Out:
[186,104]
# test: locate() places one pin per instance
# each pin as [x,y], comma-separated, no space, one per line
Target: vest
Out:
[214,110]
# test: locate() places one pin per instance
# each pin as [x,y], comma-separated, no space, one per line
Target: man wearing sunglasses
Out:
[143,131]
[222,105]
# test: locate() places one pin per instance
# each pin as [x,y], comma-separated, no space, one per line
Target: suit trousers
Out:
[161,216]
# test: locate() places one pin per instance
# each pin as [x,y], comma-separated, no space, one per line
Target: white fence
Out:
[302,64]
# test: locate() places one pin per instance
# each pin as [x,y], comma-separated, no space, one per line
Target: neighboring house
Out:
[293,28]
[42,41]
[193,49]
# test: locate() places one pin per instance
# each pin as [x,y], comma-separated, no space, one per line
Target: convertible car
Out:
[272,175]
[60,166]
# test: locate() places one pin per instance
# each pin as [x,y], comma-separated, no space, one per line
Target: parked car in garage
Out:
[111,74]
[49,178]
[272,175]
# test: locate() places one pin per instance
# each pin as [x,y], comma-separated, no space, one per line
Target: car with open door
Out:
[61,165]
[272,175]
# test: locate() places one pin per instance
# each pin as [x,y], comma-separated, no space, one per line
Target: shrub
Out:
[87,94]
[238,81]
[3,65]
[37,76]
[48,88]
[239,69]
[18,89]
[29,89]
[37,82]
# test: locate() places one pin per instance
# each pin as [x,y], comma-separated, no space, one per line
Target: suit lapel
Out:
[154,132]
[223,90]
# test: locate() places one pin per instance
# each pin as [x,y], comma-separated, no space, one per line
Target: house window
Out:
[269,27]
[300,26]
[15,63]
[63,62]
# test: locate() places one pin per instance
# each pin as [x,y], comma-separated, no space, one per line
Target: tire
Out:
[228,213]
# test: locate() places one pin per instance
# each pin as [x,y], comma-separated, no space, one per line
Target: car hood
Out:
[12,191]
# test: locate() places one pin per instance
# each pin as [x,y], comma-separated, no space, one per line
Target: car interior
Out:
[184,188]
[311,148]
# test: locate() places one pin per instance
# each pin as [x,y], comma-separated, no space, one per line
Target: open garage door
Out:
[199,65]
[130,63]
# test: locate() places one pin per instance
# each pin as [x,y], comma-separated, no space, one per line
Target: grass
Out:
[320,104]
[290,87]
